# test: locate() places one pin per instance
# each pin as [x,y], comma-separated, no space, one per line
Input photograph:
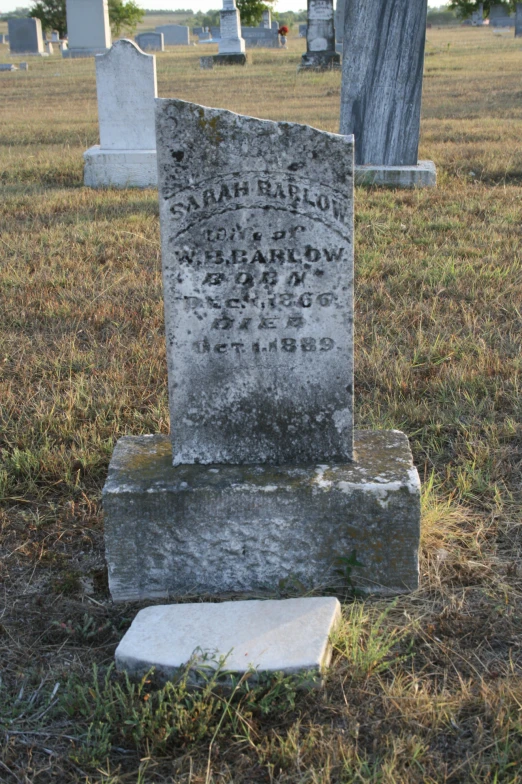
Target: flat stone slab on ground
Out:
[289,635]
[424,175]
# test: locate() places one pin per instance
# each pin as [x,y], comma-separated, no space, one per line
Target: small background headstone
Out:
[151,42]
[175,35]
[88,28]
[25,36]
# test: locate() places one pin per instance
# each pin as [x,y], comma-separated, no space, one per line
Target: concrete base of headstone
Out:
[220,529]
[424,175]
[120,168]
[231,59]
[320,61]
[77,53]
[290,636]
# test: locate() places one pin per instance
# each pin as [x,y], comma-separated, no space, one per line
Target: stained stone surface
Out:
[25,36]
[193,529]
[320,36]
[257,247]
[383,59]
[88,28]
[270,636]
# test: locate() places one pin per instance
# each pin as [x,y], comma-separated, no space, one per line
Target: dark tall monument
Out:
[383,62]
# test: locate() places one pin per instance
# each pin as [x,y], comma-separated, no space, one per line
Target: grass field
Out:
[426,688]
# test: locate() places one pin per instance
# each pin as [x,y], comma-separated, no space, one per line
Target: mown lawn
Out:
[426,688]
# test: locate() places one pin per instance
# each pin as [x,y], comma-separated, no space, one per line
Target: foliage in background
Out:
[465,8]
[123,16]
[251,11]
[442,16]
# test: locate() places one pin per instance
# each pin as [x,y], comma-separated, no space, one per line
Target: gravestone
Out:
[499,16]
[231,44]
[320,37]
[518,20]
[8,67]
[55,36]
[261,36]
[88,28]
[24,66]
[175,35]
[2,39]
[339,20]
[215,32]
[49,47]
[302,30]
[206,63]
[126,89]
[266,19]
[25,36]
[152,42]
[204,37]
[477,17]
[383,60]
[262,479]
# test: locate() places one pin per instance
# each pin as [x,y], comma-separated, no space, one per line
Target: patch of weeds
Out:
[87,630]
[345,566]
[367,645]
[136,715]
[68,583]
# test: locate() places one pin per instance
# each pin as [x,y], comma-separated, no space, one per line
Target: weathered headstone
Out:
[126,88]
[261,36]
[175,35]
[518,20]
[231,44]
[302,30]
[151,42]
[55,36]
[499,16]
[25,36]
[88,28]
[477,17]
[381,91]
[204,37]
[8,67]
[23,66]
[320,37]
[259,481]
[339,20]
[206,63]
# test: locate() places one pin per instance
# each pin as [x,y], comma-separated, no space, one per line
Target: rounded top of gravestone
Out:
[124,47]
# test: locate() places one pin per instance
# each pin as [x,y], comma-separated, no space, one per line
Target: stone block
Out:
[230,59]
[152,42]
[187,530]
[289,636]
[120,168]
[207,63]
[175,35]
[8,67]
[88,28]
[25,36]
[320,37]
[518,20]
[424,175]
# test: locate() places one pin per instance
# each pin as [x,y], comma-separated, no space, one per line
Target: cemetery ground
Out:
[423,688]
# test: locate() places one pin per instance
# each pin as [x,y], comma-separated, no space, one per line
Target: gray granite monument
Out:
[320,37]
[175,35]
[25,36]
[499,16]
[151,42]
[518,21]
[263,478]
[88,28]
[383,61]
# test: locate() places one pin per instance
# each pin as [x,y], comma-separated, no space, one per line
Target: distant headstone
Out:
[175,35]
[197,31]
[204,37]
[339,20]
[499,16]
[266,20]
[302,30]
[63,47]
[126,88]
[518,20]
[320,37]
[477,17]
[23,66]
[8,67]
[88,28]
[231,44]
[25,36]
[261,36]
[215,32]
[206,63]
[381,91]
[259,482]
[152,42]
[49,47]
[55,36]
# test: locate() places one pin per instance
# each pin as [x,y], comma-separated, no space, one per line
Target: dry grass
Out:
[427,689]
